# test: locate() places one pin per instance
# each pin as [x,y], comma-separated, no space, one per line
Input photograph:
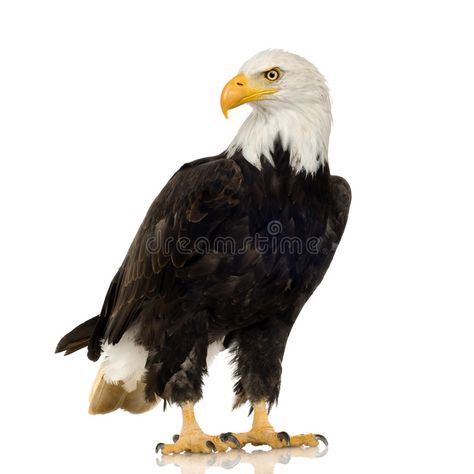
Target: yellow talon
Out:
[262,432]
[192,438]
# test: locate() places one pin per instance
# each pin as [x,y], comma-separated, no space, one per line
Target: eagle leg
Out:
[262,432]
[192,438]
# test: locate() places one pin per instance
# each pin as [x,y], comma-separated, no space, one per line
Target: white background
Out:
[100,102]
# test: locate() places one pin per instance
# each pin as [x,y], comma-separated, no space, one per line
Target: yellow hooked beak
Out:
[239,91]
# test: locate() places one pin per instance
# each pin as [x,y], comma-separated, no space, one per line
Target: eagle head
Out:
[290,101]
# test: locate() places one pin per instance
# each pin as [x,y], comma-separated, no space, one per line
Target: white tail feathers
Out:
[106,397]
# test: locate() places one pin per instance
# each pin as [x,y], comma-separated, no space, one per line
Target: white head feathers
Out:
[299,113]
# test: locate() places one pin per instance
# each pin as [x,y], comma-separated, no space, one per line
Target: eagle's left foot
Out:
[260,436]
[262,432]
[270,437]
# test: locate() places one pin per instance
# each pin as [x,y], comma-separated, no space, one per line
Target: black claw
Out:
[225,437]
[159,446]
[175,438]
[235,440]
[211,446]
[284,436]
[322,438]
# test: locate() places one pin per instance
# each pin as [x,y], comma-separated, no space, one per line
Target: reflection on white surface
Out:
[263,462]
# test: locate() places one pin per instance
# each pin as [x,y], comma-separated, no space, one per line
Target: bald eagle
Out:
[226,257]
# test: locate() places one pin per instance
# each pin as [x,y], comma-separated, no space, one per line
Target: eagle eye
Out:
[272,74]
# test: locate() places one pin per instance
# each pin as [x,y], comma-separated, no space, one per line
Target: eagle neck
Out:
[302,129]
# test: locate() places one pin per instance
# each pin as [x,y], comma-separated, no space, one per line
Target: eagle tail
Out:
[78,338]
[106,397]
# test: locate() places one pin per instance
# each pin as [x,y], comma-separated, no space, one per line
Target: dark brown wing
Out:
[341,201]
[195,202]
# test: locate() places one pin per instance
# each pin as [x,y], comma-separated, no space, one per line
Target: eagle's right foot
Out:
[193,439]
[193,442]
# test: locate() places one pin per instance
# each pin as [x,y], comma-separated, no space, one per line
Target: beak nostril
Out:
[239,84]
